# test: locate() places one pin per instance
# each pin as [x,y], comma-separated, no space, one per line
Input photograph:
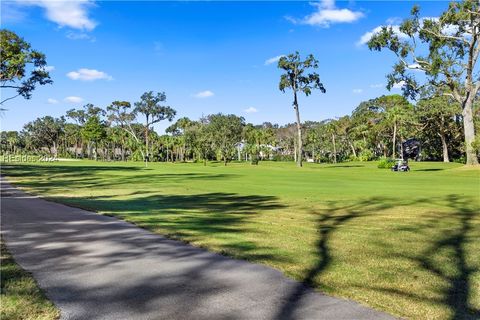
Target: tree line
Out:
[122,131]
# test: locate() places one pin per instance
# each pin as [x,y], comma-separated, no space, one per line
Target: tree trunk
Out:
[294,150]
[353,149]
[401,147]
[444,146]
[89,146]
[146,143]
[394,140]
[334,149]
[299,131]
[469,131]
[55,153]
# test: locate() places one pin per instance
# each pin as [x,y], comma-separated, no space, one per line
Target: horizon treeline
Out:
[119,132]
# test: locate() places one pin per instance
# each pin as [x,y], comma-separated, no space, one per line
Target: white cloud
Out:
[368,35]
[73,99]
[328,14]
[88,75]
[394,20]
[273,60]
[250,110]
[47,68]
[357,91]
[415,67]
[65,13]
[11,13]
[52,101]
[80,36]
[398,85]
[204,94]
[377,85]
[394,23]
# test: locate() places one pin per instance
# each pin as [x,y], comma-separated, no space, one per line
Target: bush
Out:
[137,156]
[280,157]
[461,160]
[386,163]
[254,159]
[366,155]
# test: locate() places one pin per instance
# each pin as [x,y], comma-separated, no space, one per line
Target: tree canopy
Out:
[452,46]
[21,67]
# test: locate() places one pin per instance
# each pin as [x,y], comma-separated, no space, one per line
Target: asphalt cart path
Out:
[97,267]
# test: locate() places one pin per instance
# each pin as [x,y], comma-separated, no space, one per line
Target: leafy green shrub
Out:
[385,163]
[137,156]
[254,159]
[366,155]
[461,160]
[280,157]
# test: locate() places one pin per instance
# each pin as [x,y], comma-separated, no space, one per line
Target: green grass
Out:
[21,299]
[406,243]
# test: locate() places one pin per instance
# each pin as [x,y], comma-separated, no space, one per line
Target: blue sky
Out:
[208,57]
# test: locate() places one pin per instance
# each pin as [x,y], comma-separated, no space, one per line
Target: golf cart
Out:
[410,150]
[401,165]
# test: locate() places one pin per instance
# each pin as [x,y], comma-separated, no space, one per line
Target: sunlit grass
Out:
[406,243]
[20,297]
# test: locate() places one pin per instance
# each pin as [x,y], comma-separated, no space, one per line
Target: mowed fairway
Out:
[406,243]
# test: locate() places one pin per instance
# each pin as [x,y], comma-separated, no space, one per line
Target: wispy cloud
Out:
[357,91]
[394,23]
[73,99]
[88,75]
[273,59]
[204,94]
[326,14]
[73,14]
[415,67]
[398,85]
[250,110]
[47,68]
[377,85]
[11,13]
[80,36]
[368,35]
[52,101]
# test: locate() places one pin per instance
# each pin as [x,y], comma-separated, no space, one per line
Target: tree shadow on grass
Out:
[58,178]
[327,223]
[455,296]
[53,169]
[344,166]
[185,215]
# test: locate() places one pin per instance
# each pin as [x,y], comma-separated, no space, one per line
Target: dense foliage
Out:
[21,67]
[374,130]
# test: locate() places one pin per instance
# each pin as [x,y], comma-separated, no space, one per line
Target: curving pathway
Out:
[97,267]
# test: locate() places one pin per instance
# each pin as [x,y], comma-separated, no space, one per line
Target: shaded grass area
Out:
[406,243]
[21,299]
